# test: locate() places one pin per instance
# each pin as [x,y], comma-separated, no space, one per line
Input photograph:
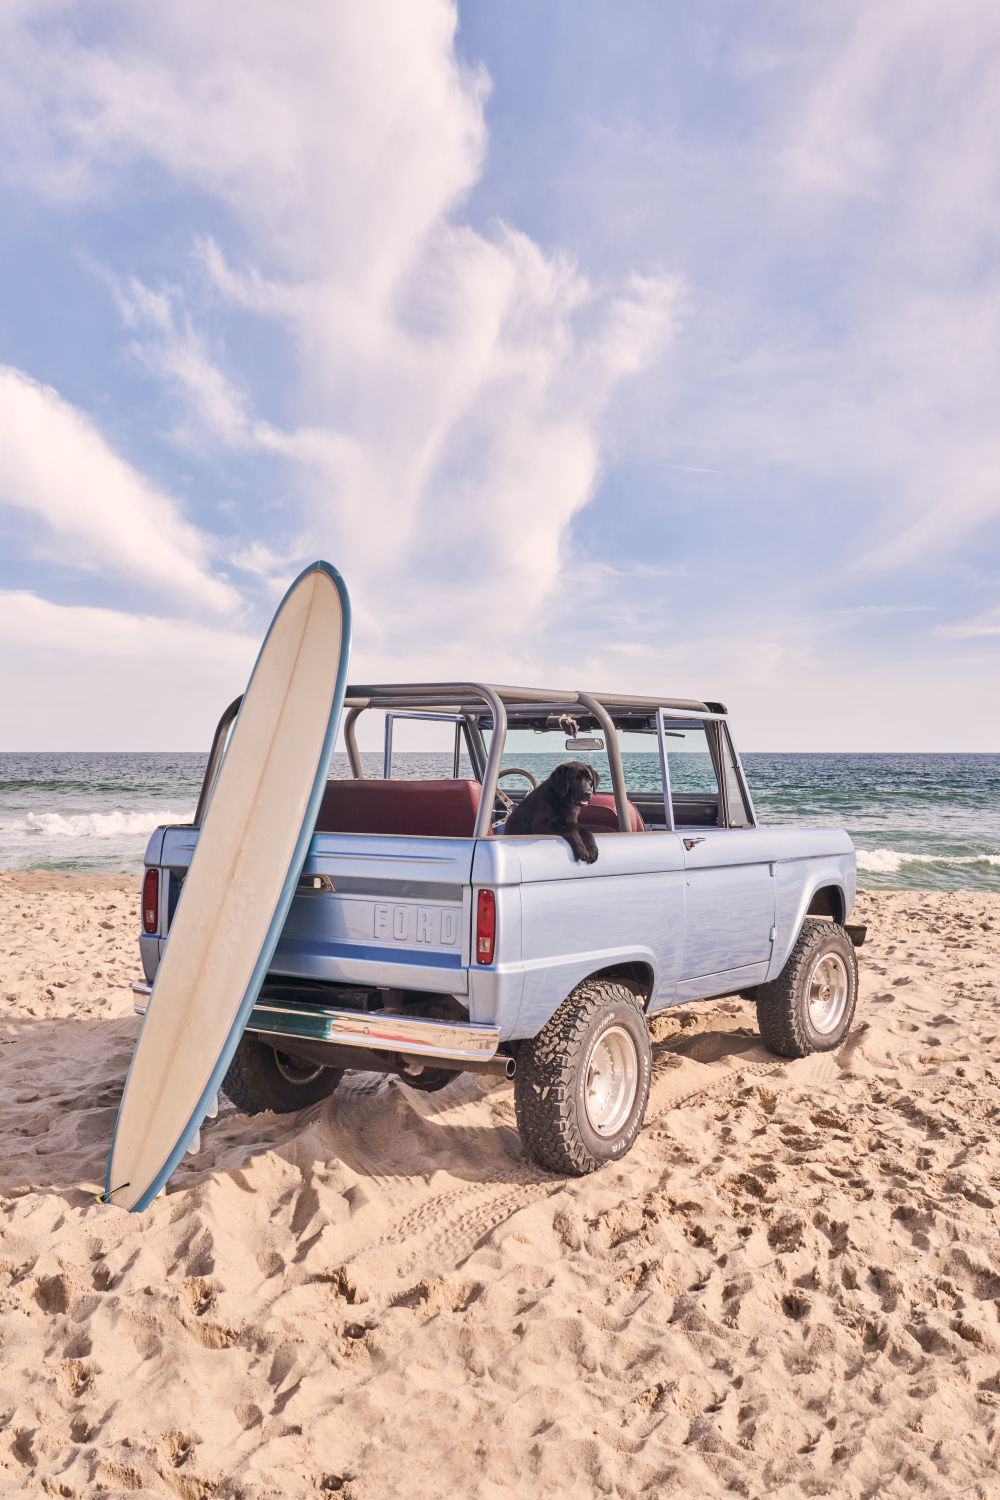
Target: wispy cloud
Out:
[453,383]
[98,512]
[107,679]
[462,416]
[985,624]
[82,631]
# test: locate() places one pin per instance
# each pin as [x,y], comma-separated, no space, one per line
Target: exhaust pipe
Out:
[496,1067]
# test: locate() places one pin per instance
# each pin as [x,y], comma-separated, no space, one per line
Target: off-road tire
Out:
[552,1075]
[255,1081]
[783,1013]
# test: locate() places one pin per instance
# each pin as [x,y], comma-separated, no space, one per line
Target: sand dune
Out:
[790,1287]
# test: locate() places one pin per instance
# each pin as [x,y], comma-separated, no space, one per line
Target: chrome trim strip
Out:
[378,1030]
[356,885]
[381,1031]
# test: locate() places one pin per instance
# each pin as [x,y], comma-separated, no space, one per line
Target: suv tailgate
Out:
[382,910]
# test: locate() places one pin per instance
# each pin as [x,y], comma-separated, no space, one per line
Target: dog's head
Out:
[575,782]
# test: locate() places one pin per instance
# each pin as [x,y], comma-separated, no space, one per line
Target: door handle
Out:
[690,843]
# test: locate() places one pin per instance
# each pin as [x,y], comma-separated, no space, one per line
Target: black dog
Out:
[554,807]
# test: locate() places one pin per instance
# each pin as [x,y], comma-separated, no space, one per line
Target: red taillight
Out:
[486,927]
[151,901]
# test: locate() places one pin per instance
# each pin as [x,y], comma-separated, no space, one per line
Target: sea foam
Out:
[109,825]
[890,861]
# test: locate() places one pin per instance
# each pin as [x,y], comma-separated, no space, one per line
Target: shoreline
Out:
[790,1285]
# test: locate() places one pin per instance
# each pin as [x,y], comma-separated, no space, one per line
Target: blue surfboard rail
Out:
[282,905]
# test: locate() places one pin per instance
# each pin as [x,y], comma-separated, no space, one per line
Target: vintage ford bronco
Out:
[423,942]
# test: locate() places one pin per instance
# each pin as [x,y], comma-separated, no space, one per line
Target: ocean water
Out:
[918,821]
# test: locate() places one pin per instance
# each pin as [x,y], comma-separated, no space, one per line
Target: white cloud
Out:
[100,512]
[81,678]
[447,389]
[453,383]
[986,623]
[892,167]
[28,622]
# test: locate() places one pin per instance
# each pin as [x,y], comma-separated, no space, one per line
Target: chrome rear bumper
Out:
[374,1030]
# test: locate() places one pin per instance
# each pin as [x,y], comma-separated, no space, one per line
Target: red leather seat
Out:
[600,815]
[442,809]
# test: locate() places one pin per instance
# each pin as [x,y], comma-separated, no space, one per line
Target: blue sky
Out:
[641,346]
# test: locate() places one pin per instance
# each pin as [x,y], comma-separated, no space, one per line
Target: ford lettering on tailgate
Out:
[435,926]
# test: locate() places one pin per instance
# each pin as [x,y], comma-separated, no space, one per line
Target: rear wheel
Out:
[582,1083]
[262,1077]
[810,1006]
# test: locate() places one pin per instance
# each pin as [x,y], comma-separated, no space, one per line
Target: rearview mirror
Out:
[579,744]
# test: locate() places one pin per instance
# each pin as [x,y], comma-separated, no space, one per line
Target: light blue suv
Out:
[424,942]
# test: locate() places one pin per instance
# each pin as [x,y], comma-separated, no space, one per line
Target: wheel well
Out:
[828,901]
[637,977]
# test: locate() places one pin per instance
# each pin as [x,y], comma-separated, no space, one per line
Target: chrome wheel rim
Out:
[612,1079]
[828,991]
[296,1072]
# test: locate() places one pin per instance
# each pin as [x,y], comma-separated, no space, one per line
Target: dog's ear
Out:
[595,776]
[561,779]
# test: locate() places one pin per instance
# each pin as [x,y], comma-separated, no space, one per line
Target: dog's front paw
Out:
[589,855]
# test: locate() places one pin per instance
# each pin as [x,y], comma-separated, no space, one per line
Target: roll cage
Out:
[475,706]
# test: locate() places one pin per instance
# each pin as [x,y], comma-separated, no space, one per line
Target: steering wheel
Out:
[502,804]
[516,771]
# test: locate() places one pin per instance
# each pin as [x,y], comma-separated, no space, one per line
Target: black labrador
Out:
[554,807]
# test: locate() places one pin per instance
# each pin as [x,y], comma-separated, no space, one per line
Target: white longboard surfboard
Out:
[236,895]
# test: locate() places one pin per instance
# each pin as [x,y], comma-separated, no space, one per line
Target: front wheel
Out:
[810,1006]
[262,1077]
[582,1083]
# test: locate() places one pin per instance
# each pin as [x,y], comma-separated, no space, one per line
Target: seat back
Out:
[436,809]
[601,816]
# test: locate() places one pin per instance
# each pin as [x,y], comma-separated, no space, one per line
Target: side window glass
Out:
[739,816]
[641,764]
[423,749]
[692,769]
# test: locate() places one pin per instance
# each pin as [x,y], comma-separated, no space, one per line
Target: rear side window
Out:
[692,769]
[425,748]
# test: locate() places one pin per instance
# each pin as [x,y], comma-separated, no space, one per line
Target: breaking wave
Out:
[889,861]
[109,825]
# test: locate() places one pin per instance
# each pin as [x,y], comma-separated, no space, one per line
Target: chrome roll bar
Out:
[215,759]
[467,700]
[614,759]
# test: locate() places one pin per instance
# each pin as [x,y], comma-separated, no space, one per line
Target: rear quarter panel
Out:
[576,919]
[806,860]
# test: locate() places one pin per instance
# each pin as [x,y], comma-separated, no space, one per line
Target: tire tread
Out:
[254,1084]
[543,1083]
[779,1018]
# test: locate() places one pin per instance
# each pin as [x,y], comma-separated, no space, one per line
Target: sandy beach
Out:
[790,1287]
